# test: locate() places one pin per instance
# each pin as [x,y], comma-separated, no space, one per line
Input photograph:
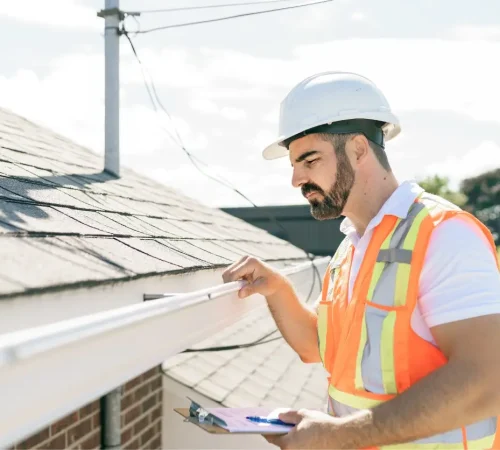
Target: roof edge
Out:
[109,282]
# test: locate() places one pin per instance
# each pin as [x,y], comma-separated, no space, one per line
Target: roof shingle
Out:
[60,211]
[64,222]
[270,374]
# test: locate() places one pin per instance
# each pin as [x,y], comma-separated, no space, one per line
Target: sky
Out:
[435,60]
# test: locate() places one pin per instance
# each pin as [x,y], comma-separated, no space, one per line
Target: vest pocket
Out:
[375,371]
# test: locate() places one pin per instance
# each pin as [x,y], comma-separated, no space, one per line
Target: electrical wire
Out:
[261,340]
[225,5]
[219,19]
[152,94]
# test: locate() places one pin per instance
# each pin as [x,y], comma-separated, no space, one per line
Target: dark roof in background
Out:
[65,223]
[296,225]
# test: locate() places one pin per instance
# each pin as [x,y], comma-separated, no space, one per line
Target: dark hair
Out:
[340,140]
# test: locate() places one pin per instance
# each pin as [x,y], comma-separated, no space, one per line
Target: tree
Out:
[483,194]
[438,185]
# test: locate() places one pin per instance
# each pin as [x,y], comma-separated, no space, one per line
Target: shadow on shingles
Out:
[16,202]
[67,248]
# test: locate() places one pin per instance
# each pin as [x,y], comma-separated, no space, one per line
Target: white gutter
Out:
[47,372]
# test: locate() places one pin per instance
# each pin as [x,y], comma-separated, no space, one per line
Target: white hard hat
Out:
[330,97]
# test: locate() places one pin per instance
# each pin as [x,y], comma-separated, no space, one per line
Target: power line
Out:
[151,90]
[219,19]
[152,93]
[225,5]
[260,341]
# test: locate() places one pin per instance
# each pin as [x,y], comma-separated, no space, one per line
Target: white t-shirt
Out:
[459,279]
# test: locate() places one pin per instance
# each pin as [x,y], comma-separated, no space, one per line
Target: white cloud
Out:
[358,16]
[204,105]
[483,158]
[171,66]
[207,106]
[272,116]
[232,65]
[141,132]
[416,75]
[233,113]
[234,93]
[309,18]
[68,14]
[482,33]
[261,139]
[69,99]
[409,76]
[419,74]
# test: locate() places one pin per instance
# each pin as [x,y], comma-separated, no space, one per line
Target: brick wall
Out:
[78,430]
[140,420]
[142,411]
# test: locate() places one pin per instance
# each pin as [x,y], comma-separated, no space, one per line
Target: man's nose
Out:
[298,178]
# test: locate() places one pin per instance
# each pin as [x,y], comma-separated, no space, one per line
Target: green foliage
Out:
[438,185]
[478,195]
[483,193]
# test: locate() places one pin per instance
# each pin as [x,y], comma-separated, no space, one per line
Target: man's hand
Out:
[262,278]
[296,322]
[313,430]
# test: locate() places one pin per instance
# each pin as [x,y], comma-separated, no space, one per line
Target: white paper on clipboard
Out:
[237,422]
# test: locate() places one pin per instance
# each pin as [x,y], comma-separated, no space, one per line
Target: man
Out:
[408,323]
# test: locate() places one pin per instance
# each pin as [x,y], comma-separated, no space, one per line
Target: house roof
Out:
[65,223]
[270,374]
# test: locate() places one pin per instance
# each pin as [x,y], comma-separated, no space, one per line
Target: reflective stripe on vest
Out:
[375,372]
[322,309]
[388,288]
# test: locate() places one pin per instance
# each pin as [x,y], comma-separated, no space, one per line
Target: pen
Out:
[269,421]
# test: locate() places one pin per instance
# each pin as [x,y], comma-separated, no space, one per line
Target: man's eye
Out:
[310,162]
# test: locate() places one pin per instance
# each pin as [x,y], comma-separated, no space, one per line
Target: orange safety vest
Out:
[367,344]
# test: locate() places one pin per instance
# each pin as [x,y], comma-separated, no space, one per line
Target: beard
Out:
[333,202]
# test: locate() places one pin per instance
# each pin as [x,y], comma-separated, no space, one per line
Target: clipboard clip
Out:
[199,414]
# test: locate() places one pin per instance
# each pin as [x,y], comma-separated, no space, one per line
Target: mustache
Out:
[310,187]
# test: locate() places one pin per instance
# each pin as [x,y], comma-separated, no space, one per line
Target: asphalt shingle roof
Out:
[270,374]
[65,222]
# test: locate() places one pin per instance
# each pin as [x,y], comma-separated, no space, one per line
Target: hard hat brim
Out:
[277,150]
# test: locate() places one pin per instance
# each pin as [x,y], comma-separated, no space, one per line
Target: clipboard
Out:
[212,424]
[199,416]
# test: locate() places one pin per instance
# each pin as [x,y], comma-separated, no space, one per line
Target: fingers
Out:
[253,288]
[243,269]
[261,278]
[292,416]
[228,273]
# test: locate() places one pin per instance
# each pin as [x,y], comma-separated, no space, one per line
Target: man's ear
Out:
[360,148]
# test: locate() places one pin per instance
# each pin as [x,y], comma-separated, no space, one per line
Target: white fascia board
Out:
[44,308]
[48,372]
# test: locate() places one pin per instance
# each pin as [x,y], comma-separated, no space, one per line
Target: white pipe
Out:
[64,356]
[112,89]
[23,344]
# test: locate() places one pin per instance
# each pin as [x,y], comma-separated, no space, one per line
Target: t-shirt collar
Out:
[398,204]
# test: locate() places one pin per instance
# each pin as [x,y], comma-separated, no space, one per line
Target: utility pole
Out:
[111,402]
[112,17]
